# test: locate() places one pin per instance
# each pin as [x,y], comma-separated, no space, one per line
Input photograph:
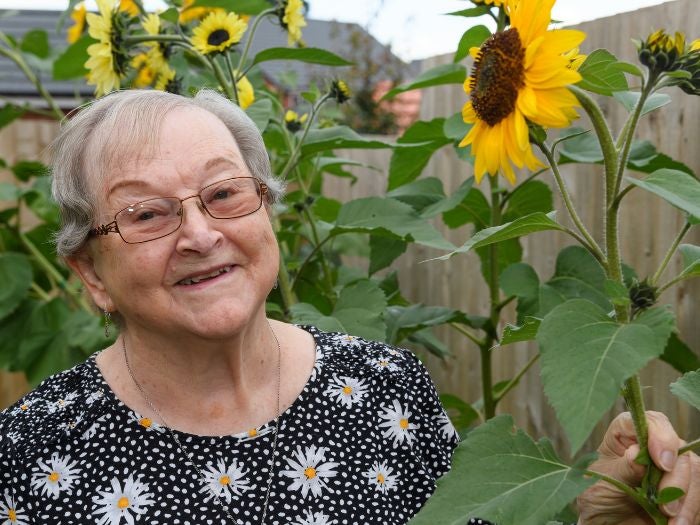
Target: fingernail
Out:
[673,508]
[668,459]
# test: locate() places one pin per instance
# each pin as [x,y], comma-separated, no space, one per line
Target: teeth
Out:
[216,273]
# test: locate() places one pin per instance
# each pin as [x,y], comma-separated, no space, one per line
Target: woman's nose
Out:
[199,230]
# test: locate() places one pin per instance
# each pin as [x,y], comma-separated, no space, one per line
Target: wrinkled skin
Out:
[603,504]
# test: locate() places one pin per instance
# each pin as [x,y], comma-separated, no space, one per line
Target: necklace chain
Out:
[187,453]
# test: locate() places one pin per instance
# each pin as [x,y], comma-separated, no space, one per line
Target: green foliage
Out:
[472,37]
[437,76]
[499,473]
[525,332]
[310,55]
[602,73]
[688,388]
[691,260]
[587,356]
[680,189]
[16,273]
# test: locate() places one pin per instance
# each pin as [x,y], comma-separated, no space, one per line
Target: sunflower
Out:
[189,13]
[246,94]
[293,122]
[495,3]
[218,32]
[340,91]
[166,80]
[130,7]
[519,74]
[76,30]
[107,62]
[145,74]
[292,19]
[695,45]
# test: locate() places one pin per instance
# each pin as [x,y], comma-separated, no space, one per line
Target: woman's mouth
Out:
[205,277]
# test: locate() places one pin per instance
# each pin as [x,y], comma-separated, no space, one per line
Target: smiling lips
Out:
[206,277]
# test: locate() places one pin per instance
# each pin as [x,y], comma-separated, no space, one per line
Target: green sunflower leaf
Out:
[679,355]
[602,73]
[383,251]
[473,208]
[687,388]
[691,260]
[261,112]
[245,7]
[9,113]
[587,356]
[678,188]
[420,193]
[338,137]
[390,217]
[71,63]
[461,413]
[437,76]
[407,163]
[472,12]
[16,276]
[310,55]
[450,202]
[526,484]
[629,100]
[525,332]
[36,42]
[535,222]
[472,37]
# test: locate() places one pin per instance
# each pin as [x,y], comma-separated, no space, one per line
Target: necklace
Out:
[188,455]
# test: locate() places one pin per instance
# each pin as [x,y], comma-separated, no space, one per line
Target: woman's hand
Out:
[603,504]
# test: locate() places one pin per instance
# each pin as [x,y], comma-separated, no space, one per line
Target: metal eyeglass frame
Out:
[112,227]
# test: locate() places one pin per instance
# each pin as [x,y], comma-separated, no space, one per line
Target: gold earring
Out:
[108,322]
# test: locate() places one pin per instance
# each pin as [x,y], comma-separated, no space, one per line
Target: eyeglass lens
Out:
[154,218]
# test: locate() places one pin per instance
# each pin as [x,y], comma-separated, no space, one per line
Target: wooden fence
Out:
[457,283]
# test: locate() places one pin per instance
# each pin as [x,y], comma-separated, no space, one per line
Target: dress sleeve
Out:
[436,437]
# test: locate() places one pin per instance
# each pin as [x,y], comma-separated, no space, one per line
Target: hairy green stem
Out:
[661,289]
[669,253]
[328,275]
[230,93]
[694,445]
[495,299]
[607,144]
[659,519]
[590,243]
[630,129]
[233,78]
[510,194]
[286,290]
[514,382]
[140,39]
[293,157]
[308,259]
[19,60]
[40,292]
[51,270]
[249,40]
[467,334]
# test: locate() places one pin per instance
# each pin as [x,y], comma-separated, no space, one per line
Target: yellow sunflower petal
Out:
[559,41]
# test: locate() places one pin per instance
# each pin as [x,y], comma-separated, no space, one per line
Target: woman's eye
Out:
[222,194]
[145,216]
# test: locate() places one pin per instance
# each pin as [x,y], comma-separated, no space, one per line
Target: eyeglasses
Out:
[155,218]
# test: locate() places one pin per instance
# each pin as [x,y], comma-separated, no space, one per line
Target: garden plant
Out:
[596,321]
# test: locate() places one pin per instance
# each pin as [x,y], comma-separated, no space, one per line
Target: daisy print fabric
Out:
[363,442]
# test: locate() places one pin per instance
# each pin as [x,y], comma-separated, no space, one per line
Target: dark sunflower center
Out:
[498,75]
[218,37]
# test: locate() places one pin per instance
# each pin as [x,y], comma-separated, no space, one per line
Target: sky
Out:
[415,29]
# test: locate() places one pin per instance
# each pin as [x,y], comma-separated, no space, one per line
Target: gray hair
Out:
[125,124]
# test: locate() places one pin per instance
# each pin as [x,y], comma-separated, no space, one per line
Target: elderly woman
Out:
[203,410]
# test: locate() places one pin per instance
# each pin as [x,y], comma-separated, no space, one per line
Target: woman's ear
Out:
[83,265]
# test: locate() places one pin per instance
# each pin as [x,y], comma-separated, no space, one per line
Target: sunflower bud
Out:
[643,295]
[690,62]
[293,121]
[340,91]
[661,52]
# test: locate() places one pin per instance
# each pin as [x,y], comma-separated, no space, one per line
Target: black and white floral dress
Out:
[363,443]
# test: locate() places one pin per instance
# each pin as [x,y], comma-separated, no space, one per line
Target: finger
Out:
[663,441]
[679,477]
[619,436]
[689,513]
[627,469]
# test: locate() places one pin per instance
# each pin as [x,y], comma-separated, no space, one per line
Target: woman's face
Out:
[149,283]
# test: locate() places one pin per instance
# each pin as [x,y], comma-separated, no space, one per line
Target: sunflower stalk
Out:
[31,76]
[669,254]
[231,74]
[133,40]
[246,49]
[293,157]
[589,242]
[230,93]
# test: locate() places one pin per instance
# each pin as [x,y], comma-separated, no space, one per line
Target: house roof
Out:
[330,35]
